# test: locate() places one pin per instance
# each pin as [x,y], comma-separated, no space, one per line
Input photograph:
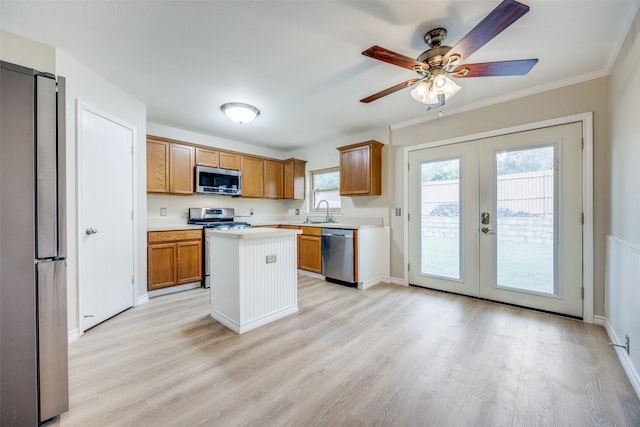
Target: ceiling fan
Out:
[436,65]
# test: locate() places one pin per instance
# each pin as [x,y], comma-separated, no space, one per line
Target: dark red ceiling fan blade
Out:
[507,12]
[389,90]
[501,68]
[386,55]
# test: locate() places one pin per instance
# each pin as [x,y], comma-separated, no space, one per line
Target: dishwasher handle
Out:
[347,234]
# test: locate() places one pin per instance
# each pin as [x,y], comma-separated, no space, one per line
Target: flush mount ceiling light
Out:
[239,112]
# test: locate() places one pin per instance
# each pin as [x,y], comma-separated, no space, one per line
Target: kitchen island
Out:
[253,276]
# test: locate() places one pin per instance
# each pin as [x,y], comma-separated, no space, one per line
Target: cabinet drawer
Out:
[173,235]
[311,231]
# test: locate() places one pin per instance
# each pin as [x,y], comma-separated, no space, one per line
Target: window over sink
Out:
[325,185]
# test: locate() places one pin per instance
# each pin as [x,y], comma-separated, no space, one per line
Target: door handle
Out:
[486,230]
[91,231]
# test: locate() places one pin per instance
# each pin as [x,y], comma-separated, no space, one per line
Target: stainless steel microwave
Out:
[218,181]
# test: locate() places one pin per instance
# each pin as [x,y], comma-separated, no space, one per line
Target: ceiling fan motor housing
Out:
[433,57]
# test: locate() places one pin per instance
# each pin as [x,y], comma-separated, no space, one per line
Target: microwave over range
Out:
[218,181]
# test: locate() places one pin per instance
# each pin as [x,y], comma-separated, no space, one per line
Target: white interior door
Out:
[105,184]
[500,218]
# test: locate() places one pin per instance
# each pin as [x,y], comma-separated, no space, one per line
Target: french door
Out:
[501,218]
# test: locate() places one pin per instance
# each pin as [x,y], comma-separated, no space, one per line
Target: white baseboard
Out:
[625,360]
[370,283]
[397,281]
[173,289]
[255,323]
[599,320]
[74,334]
[310,274]
[142,299]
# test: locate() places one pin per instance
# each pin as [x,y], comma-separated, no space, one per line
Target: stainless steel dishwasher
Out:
[337,256]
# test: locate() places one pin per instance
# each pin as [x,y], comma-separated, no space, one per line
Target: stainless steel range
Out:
[218,218]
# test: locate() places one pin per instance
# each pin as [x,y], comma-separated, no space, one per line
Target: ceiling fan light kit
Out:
[438,64]
[239,112]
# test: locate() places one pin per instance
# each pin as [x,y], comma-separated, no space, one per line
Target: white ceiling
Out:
[300,62]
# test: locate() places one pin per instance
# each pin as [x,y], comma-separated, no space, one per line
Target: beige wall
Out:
[625,140]
[28,53]
[590,96]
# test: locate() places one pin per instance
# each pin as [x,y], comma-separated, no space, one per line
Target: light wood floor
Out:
[387,356]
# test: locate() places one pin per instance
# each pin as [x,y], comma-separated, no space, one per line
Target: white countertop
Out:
[169,227]
[252,233]
[315,224]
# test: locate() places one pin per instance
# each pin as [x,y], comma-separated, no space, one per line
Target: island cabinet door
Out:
[161,265]
[189,261]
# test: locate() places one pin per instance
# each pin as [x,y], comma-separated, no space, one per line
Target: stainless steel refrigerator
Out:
[33,298]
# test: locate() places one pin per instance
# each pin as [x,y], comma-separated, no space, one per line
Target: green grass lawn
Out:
[521,265]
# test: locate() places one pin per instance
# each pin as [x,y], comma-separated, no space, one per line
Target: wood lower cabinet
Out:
[361,169]
[252,169]
[174,258]
[161,268]
[294,179]
[310,249]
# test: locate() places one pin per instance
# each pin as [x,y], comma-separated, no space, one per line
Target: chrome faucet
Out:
[328,218]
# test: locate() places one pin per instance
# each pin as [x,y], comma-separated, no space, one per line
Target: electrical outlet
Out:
[297,211]
[398,211]
[271,259]
[163,211]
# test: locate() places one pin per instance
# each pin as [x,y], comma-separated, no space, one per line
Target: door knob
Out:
[91,231]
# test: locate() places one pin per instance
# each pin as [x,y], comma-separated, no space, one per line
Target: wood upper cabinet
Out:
[170,170]
[206,157]
[157,166]
[294,179]
[361,169]
[229,161]
[169,167]
[252,169]
[273,179]
[174,258]
[310,249]
[181,163]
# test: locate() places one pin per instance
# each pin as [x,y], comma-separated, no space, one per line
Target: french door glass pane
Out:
[525,219]
[440,218]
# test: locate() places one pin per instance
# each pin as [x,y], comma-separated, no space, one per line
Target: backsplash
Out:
[176,208]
